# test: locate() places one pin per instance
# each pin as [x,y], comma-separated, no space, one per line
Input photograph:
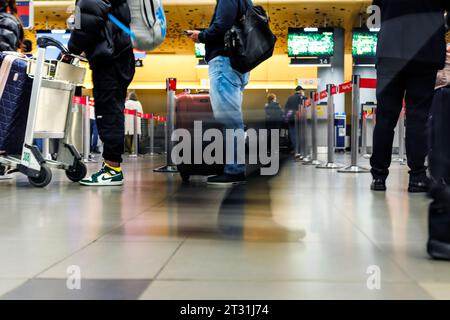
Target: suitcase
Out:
[190,108]
[15,93]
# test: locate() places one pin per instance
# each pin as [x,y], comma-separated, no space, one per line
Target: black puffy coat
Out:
[97,36]
[11,32]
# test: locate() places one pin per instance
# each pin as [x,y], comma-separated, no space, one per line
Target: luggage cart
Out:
[49,117]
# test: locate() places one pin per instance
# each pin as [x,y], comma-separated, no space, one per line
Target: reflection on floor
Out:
[305,234]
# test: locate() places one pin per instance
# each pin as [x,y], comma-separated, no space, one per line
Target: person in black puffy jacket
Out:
[11,30]
[110,53]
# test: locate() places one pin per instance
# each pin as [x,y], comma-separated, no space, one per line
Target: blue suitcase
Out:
[14,104]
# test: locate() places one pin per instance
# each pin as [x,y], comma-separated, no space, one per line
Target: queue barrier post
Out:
[306,136]
[135,150]
[331,133]
[364,133]
[151,134]
[314,147]
[401,139]
[86,131]
[169,127]
[356,113]
[298,152]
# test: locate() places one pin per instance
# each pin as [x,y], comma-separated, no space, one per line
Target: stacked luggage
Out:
[36,102]
[15,92]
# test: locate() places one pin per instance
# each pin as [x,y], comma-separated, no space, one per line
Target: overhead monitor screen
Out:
[364,43]
[310,42]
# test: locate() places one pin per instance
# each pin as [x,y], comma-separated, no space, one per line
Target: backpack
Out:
[250,42]
[148,23]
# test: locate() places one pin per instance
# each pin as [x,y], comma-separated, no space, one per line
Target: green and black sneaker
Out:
[107,176]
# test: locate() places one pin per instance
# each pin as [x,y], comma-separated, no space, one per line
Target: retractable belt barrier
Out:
[170,167]
[353,86]
[85,102]
[151,129]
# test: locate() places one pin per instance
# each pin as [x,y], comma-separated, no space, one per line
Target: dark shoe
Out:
[419,184]
[378,184]
[438,246]
[227,179]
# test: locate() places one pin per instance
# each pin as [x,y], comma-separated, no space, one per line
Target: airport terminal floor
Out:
[304,234]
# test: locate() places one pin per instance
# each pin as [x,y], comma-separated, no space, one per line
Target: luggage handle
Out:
[44,42]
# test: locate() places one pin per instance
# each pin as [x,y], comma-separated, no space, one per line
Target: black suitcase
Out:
[190,108]
[15,93]
[439,134]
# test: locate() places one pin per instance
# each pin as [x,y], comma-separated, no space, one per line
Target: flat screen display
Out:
[310,42]
[62,36]
[364,43]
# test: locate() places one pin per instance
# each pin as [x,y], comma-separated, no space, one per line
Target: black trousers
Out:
[414,82]
[111,80]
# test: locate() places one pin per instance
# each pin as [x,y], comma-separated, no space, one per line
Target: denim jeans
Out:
[227,86]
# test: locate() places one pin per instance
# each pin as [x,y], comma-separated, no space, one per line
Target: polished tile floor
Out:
[305,234]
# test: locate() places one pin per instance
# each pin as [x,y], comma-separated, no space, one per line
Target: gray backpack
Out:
[148,23]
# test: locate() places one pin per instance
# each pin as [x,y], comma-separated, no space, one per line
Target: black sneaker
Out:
[378,184]
[227,179]
[419,184]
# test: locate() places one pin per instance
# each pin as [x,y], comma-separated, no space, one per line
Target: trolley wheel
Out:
[77,173]
[45,176]
[185,177]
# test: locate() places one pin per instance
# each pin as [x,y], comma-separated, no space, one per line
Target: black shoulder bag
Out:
[250,42]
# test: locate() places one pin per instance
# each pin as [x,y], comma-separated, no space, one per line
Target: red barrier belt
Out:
[368,84]
[346,87]
[79,100]
[323,95]
[129,112]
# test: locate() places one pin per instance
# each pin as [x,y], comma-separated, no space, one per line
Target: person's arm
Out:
[226,14]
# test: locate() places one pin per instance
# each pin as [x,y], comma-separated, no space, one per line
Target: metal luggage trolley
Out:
[49,117]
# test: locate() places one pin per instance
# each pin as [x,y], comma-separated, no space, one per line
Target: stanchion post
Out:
[364,134]
[151,133]
[169,126]
[314,147]
[401,139]
[356,113]
[306,146]
[134,153]
[331,132]
[86,131]
[298,153]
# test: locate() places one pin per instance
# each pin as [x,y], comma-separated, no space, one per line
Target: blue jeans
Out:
[227,86]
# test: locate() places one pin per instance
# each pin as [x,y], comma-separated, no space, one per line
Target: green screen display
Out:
[200,50]
[364,44]
[302,43]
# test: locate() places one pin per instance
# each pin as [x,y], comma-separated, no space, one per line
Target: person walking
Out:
[411,49]
[109,51]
